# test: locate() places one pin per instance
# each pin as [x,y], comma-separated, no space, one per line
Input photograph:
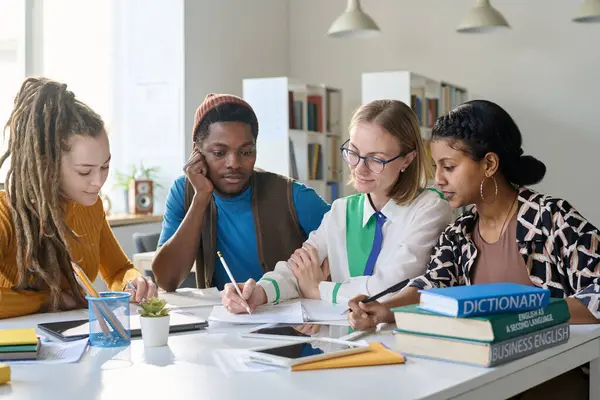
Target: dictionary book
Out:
[487,328]
[483,299]
[479,353]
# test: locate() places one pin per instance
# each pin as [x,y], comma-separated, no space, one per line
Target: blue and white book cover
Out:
[483,299]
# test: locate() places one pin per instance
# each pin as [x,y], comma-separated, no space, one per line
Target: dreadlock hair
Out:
[44,117]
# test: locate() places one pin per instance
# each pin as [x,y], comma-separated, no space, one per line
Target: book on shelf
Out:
[293,164]
[451,97]
[333,191]
[334,167]
[315,161]
[319,111]
[485,354]
[489,328]
[314,104]
[426,108]
[483,299]
[295,111]
[334,111]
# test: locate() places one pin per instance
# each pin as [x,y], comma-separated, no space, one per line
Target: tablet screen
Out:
[306,330]
[61,329]
[63,326]
[300,350]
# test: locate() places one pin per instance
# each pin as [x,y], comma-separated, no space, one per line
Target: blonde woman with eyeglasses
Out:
[374,239]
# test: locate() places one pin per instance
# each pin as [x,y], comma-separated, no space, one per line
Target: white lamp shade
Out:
[482,18]
[588,11]
[353,23]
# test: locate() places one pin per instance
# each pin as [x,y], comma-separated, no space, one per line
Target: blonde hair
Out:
[401,122]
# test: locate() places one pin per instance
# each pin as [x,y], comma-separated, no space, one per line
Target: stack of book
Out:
[18,344]
[485,325]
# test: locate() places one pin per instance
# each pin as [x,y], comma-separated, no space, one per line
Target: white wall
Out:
[227,41]
[545,71]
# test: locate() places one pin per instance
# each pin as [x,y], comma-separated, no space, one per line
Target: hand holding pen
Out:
[241,297]
[233,283]
[141,288]
[392,289]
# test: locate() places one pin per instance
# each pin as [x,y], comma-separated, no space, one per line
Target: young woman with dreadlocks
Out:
[50,212]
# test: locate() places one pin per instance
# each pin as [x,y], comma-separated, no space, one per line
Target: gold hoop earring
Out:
[481,189]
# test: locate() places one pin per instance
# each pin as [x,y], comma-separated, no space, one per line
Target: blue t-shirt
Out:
[236,235]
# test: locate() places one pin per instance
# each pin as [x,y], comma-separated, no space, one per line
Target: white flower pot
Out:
[155,331]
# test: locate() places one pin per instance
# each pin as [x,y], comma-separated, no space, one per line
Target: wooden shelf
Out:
[115,220]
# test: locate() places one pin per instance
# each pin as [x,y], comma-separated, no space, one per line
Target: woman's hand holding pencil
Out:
[365,316]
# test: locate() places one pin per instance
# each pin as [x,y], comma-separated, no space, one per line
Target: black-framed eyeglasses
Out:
[374,164]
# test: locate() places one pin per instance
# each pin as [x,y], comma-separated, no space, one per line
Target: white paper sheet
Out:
[289,313]
[232,361]
[57,353]
[319,310]
[190,297]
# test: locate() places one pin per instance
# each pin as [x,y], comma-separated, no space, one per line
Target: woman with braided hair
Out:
[50,212]
[511,234]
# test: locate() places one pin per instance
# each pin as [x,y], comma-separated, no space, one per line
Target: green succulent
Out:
[153,308]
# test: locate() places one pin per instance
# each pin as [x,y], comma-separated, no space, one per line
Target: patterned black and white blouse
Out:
[559,246]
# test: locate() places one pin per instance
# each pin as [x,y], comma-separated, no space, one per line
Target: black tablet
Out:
[67,331]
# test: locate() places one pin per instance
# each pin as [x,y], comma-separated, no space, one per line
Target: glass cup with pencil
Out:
[108,312]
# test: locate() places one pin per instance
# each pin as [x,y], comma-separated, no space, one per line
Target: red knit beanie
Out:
[212,101]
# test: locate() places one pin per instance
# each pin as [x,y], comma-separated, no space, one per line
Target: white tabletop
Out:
[186,369]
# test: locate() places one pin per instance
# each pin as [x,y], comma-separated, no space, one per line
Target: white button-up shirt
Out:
[409,234]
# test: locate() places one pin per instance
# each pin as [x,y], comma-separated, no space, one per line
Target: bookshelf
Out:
[299,131]
[429,98]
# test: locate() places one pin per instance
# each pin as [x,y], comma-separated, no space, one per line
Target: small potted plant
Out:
[154,319]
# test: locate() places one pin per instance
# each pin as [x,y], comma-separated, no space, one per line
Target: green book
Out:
[489,328]
[18,349]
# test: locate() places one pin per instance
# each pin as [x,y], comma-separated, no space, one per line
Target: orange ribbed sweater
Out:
[96,251]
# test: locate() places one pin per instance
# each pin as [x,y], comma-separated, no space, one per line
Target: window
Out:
[12,61]
[77,50]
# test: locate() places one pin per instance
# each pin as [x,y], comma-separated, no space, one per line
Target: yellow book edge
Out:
[377,355]
[18,337]
[4,374]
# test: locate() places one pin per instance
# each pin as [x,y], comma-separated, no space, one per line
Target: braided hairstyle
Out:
[479,127]
[44,117]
